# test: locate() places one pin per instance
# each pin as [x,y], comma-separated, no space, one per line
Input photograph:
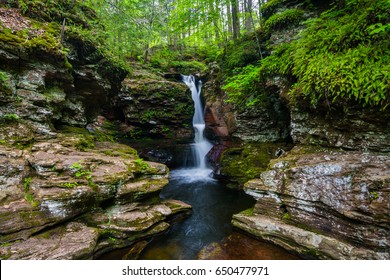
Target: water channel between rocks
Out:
[213,206]
[207,232]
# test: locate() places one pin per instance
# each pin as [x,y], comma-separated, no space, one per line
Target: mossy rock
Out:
[7,85]
[241,164]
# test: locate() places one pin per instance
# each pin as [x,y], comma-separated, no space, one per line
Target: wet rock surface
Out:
[107,192]
[327,203]
[242,162]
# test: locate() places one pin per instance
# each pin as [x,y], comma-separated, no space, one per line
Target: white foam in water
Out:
[191,175]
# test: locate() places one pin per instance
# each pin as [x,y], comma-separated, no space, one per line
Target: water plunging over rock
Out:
[201,146]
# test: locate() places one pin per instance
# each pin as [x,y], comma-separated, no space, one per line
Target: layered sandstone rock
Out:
[326,203]
[52,193]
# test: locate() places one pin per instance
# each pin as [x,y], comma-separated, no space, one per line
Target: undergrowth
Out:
[342,56]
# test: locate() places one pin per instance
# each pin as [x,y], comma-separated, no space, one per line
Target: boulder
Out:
[330,202]
[155,107]
[68,242]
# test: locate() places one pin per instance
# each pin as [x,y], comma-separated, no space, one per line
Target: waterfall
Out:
[201,145]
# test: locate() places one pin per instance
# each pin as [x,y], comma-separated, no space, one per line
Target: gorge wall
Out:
[328,196]
[67,190]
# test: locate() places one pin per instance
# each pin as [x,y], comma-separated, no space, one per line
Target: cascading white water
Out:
[201,146]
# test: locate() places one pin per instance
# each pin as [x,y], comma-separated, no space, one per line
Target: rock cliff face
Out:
[328,198]
[64,195]
[268,122]
[154,107]
[352,128]
[324,203]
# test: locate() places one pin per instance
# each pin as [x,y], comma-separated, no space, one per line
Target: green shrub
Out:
[248,86]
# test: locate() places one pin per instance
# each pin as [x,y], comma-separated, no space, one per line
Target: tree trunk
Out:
[248,15]
[229,18]
[235,19]
[215,19]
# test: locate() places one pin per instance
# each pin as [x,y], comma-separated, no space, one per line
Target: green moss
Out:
[5,83]
[312,252]
[269,8]
[248,161]
[287,18]
[31,199]
[26,184]
[7,255]
[85,143]
[122,151]
[9,118]
[247,212]
[286,216]
[28,195]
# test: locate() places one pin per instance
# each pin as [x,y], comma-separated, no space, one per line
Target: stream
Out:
[207,233]
[213,206]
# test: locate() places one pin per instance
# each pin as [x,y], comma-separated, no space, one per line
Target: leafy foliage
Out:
[345,55]
[342,56]
[239,53]
[248,86]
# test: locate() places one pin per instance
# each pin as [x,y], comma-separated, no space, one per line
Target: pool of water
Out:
[210,222]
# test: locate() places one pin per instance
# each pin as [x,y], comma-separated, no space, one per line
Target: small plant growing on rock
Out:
[9,118]
[374,195]
[140,163]
[70,185]
[28,195]
[81,172]
[26,184]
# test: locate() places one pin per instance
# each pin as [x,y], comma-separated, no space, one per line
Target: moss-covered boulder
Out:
[103,185]
[240,164]
[154,107]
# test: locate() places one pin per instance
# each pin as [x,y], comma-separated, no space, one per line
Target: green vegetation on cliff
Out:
[342,56]
[47,27]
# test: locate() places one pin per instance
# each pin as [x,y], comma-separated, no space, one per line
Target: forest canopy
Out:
[340,52]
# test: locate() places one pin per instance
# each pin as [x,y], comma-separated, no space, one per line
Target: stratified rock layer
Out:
[57,202]
[326,203]
[154,107]
[352,128]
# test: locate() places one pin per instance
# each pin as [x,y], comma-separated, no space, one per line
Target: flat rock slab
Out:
[71,241]
[302,241]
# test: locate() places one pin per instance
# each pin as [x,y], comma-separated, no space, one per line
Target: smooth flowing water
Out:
[201,145]
[212,209]
[213,205]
